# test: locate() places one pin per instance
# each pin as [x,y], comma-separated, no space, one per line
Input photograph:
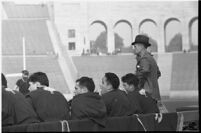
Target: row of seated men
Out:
[44,104]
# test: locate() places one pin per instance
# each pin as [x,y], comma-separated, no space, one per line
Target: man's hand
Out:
[143,92]
[16,88]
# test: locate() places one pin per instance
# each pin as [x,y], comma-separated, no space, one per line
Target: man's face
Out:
[137,48]
[25,77]
[33,86]
[128,87]
[78,89]
[104,86]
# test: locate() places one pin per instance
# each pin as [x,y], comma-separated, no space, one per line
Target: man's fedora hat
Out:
[142,39]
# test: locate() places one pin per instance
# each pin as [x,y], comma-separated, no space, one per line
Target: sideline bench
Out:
[137,122]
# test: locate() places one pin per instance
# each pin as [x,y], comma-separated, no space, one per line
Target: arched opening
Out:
[193,34]
[123,36]
[173,36]
[149,28]
[98,37]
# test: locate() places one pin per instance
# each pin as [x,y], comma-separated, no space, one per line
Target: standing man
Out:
[147,70]
[22,84]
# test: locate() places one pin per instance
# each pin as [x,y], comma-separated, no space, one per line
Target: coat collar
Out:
[142,54]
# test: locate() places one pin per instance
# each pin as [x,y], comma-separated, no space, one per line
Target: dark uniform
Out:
[148,73]
[135,107]
[146,104]
[89,105]
[23,86]
[117,103]
[16,109]
[49,106]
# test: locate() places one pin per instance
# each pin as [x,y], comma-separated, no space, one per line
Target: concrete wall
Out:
[179,71]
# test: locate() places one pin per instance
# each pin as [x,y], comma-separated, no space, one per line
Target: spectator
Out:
[141,102]
[22,84]
[116,101]
[86,103]
[15,108]
[50,105]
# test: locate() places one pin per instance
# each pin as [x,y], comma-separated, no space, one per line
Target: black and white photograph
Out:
[99,65]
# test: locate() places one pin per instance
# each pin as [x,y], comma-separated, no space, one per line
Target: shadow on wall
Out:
[193,47]
[175,43]
[154,45]
[100,44]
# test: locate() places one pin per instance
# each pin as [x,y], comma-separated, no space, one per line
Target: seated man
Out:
[138,98]
[50,105]
[86,103]
[116,101]
[15,109]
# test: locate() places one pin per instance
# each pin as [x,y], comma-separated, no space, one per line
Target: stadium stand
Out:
[36,35]
[45,64]
[30,21]
[25,11]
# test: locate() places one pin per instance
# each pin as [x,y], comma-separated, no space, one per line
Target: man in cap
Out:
[22,84]
[147,69]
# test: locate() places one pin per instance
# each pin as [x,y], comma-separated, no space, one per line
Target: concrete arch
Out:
[101,48]
[165,25]
[190,28]
[100,22]
[130,30]
[146,20]
[170,19]
[165,31]
[124,21]
[149,27]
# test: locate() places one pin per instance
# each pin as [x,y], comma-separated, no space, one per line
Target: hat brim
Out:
[146,44]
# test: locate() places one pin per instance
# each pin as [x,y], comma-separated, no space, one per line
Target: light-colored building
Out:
[74,20]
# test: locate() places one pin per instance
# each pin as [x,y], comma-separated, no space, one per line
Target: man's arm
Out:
[158,72]
[143,69]
[16,87]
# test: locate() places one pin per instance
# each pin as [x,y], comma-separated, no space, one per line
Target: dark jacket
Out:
[117,103]
[135,107]
[16,109]
[23,86]
[89,105]
[147,103]
[49,106]
[148,73]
